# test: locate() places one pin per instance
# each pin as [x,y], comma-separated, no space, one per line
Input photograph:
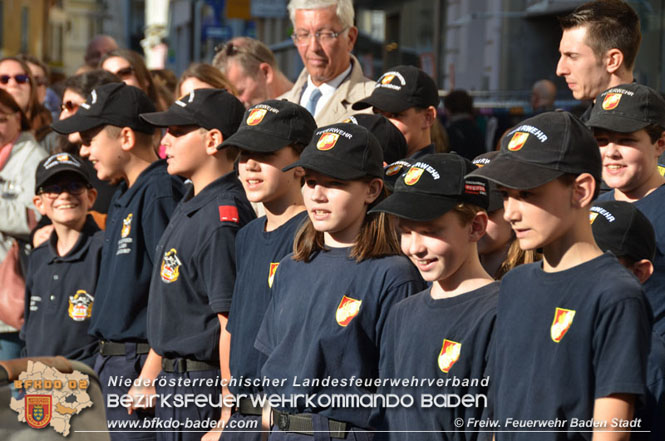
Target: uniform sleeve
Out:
[621,345]
[217,263]
[154,219]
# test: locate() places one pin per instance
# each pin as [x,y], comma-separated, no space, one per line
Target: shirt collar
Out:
[329,87]
[89,229]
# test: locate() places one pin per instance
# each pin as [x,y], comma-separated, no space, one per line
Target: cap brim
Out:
[616,123]
[415,206]
[76,123]
[255,141]
[388,103]
[518,175]
[328,166]
[61,170]
[167,118]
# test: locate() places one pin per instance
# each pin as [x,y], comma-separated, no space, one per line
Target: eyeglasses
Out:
[19,78]
[230,49]
[75,188]
[69,106]
[125,72]
[301,38]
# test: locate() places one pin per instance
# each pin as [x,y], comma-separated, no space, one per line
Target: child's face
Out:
[438,248]
[540,215]
[185,149]
[105,152]
[497,235]
[629,159]
[411,122]
[338,208]
[65,200]
[262,176]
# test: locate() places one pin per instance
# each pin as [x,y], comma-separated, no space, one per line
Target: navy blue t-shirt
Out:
[136,220]
[258,253]
[193,281]
[563,340]
[441,340]
[325,320]
[59,295]
[652,411]
[653,207]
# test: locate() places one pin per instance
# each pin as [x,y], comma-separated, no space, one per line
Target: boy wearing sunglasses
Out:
[62,272]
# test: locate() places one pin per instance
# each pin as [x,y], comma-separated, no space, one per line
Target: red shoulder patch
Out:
[228,213]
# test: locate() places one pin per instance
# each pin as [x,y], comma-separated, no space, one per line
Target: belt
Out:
[302,423]
[182,365]
[246,407]
[110,348]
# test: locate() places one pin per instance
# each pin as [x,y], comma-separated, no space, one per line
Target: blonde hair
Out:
[516,256]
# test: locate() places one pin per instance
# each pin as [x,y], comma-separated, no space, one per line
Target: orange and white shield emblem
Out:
[348,308]
[450,352]
[256,116]
[592,216]
[563,319]
[387,79]
[611,101]
[327,141]
[393,169]
[271,273]
[413,175]
[517,141]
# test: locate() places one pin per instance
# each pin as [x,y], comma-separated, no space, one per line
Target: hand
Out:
[142,397]
[41,235]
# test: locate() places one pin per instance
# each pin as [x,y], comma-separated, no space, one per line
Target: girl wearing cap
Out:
[331,297]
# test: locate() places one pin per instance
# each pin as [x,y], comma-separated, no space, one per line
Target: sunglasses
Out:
[230,50]
[74,188]
[20,78]
[125,72]
[69,106]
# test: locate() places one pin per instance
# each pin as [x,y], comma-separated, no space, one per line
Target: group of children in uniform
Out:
[342,280]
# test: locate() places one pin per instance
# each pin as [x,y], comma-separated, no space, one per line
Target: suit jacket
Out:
[354,88]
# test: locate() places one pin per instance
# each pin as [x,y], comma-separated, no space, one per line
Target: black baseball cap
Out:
[627,108]
[115,104]
[495,196]
[207,108]
[56,164]
[393,171]
[400,88]
[619,227]
[541,149]
[434,185]
[272,125]
[343,151]
[390,138]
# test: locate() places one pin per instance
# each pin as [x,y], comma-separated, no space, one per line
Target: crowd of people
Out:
[232,234]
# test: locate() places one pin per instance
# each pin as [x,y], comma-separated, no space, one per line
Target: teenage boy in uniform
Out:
[192,283]
[408,97]
[628,122]
[272,136]
[62,274]
[119,144]
[572,331]
[444,332]
[621,228]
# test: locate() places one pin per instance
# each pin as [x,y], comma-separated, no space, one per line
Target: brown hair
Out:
[141,72]
[7,100]
[249,53]
[610,24]
[515,257]
[377,237]
[207,74]
[33,103]
[654,131]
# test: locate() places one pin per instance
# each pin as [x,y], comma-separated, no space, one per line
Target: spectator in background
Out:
[332,79]
[165,82]
[130,67]
[202,76]
[99,46]
[465,136]
[251,67]
[543,94]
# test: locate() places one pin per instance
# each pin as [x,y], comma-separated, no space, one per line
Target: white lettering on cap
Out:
[606,214]
[335,130]
[429,169]
[93,96]
[266,107]
[542,137]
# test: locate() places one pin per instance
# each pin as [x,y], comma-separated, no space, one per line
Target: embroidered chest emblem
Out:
[126,225]
[563,319]
[80,306]
[348,308]
[170,269]
[450,353]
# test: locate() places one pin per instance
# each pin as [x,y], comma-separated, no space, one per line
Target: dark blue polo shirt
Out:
[258,253]
[59,296]
[423,152]
[194,277]
[563,340]
[439,340]
[137,217]
[325,319]
[653,207]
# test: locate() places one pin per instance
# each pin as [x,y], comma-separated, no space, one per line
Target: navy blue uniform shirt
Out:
[440,340]
[325,319]
[563,340]
[258,253]
[59,295]
[193,280]
[653,207]
[136,220]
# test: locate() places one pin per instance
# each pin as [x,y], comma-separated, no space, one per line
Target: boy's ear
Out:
[374,190]
[39,204]
[660,144]
[127,139]
[584,189]
[613,60]
[212,139]
[642,269]
[430,116]
[92,196]
[478,226]
[298,173]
